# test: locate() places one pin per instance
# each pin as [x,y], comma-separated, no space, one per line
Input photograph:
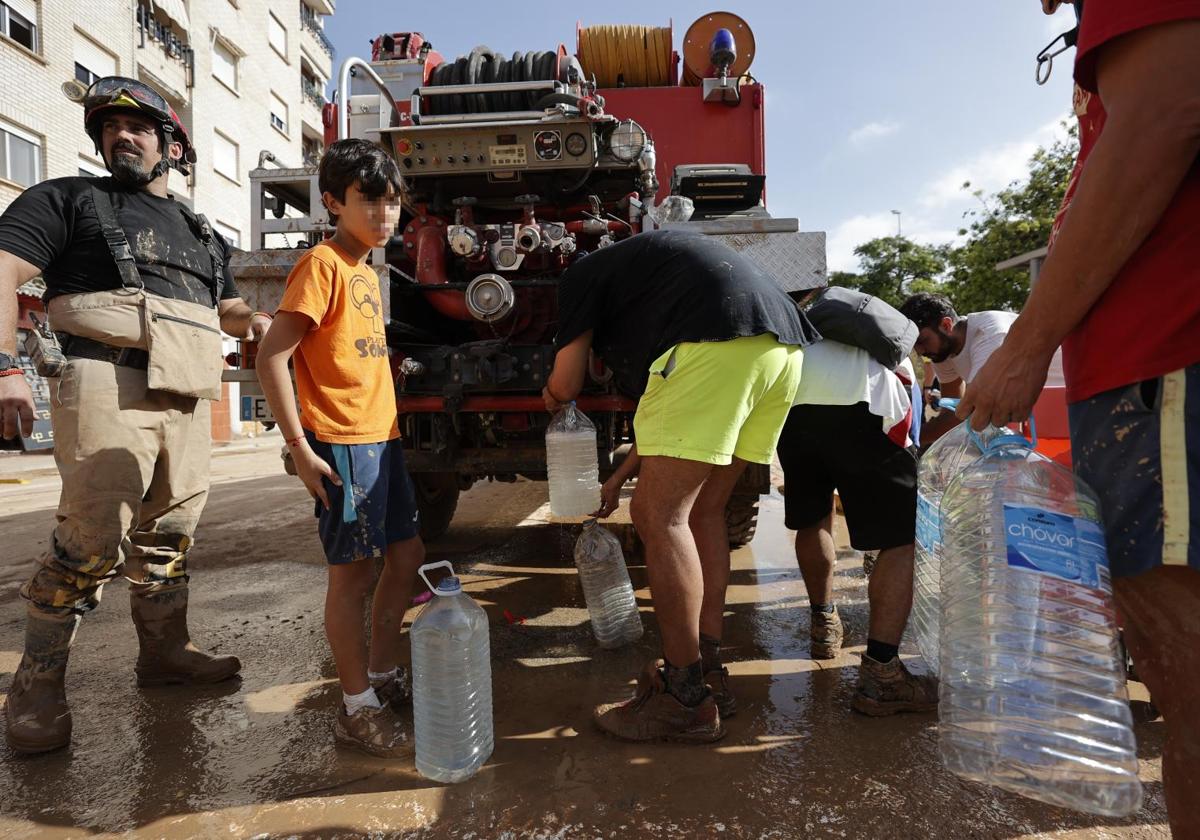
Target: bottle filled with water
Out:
[941,463]
[571,465]
[1032,688]
[606,587]
[452,683]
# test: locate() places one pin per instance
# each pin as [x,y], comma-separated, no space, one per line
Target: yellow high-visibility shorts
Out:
[716,400]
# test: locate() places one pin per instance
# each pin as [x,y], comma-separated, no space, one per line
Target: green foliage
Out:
[1013,221]
[893,267]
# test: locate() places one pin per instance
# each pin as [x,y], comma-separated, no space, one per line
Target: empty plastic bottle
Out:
[942,463]
[1032,689]
[452,683]
[571,465]
[606,587]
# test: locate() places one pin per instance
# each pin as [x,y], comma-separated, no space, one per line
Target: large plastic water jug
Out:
[452,682]
[606,587]
[1032,688]
[941,463]
[571,465]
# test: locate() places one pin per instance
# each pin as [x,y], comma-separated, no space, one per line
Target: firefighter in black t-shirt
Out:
[138,290]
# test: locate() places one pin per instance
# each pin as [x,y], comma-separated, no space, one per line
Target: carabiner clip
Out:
[1045,58]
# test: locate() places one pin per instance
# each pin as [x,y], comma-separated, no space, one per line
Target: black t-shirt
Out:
[53,225]
[647,293]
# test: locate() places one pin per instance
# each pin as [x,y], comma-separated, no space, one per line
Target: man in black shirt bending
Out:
[138,289]
[710,345]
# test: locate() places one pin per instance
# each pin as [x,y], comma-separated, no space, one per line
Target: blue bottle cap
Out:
[449,586]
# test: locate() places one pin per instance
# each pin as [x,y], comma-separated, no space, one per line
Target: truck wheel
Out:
[741,518]
[437,499]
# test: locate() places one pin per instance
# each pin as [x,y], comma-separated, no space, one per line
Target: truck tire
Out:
[741,518]
[437,499]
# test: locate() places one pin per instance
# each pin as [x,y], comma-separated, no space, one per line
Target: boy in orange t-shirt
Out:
[345,441]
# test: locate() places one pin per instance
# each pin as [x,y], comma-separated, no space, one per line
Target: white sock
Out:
[357,702]
[382,677]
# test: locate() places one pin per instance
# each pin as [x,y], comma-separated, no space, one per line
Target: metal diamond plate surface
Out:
[795,260]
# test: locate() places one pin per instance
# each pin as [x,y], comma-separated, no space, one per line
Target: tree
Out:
[893,267]
[1011,222]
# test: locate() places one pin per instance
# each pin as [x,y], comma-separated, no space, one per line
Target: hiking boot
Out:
[36,716]
[825,632]
[885,688]
[375,731]
[654,715]
[396,690]
[717,681]
[166,655]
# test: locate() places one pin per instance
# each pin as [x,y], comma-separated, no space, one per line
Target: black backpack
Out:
[863,321]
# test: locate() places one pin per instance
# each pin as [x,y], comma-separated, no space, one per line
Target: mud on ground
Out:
[255,757]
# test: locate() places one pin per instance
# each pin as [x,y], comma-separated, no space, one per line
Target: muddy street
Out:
[256,758]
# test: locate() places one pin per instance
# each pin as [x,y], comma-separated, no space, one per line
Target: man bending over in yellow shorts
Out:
[710,345]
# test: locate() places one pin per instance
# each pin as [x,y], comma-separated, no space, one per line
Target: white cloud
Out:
[990,170]
[848,235]
[935,213]
[872,131]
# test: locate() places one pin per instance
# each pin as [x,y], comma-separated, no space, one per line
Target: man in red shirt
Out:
[1120,289]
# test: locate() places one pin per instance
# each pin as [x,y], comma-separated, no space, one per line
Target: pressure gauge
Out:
[577,144]
[547,145]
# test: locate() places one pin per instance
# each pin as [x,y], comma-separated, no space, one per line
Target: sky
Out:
[871,106]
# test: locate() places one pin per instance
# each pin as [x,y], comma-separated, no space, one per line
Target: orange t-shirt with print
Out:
[343,379]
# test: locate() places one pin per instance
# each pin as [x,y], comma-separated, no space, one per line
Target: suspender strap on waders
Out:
[122,254]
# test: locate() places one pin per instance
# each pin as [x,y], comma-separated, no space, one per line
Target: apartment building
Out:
[245,76]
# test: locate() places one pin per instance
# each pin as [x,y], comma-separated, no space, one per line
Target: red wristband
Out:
[11,371]
[294,442]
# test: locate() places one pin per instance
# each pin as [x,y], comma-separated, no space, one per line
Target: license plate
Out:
[256,409]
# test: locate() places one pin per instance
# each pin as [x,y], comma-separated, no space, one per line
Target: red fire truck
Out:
[515,165]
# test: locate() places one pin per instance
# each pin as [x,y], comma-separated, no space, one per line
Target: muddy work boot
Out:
[885,688]
[375,731]
[36,716]
[654,715]
[717,681]
[167,655]
[395,690]
[825,633]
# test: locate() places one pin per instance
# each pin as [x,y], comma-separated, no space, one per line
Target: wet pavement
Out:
[255,757]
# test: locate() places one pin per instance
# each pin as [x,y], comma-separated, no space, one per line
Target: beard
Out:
[129,169]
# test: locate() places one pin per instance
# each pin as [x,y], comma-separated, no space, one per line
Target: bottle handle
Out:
[421,571]
[1011,439]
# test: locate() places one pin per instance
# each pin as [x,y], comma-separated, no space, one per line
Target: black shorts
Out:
[842,447]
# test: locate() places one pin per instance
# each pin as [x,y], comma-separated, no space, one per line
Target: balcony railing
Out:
[312,92]
[172,44]
[308,19]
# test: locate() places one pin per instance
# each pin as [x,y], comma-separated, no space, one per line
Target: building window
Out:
[311,149]
[277,36]
[231,235]
[18,20]
[279,114]
[225,156]
[225,65]
[89,169]
[92,62]
[20,156]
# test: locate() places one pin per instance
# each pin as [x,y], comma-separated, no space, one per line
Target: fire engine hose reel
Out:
[490,297]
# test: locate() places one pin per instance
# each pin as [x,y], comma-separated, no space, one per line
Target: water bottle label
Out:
[929,523]
[1052,543]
